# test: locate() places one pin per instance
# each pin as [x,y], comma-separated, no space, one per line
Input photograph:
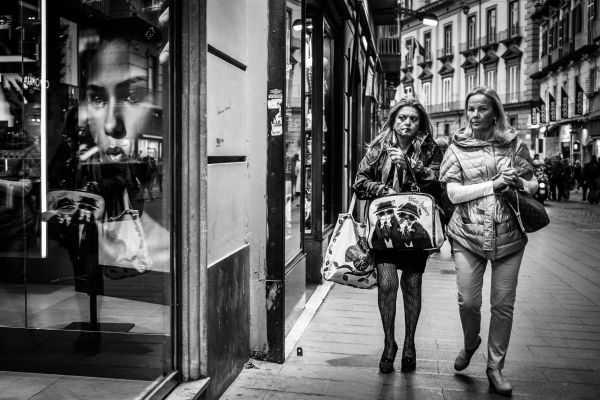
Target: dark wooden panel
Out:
[228,329]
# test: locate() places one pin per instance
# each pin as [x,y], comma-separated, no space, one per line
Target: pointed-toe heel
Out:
[408,364]
[464,357]
[498,384]
[386,365]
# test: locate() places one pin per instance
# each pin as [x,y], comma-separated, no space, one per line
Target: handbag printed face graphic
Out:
[73,206]
[403,221]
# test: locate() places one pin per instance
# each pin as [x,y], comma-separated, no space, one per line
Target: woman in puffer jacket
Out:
[381,172]
[483,159]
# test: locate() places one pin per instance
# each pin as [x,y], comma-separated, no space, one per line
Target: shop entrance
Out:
[85,220]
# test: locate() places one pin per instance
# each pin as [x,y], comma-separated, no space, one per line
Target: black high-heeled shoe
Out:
[386,365]
[498,383]
[408,363]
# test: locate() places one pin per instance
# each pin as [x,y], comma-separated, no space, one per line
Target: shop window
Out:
[293,133]
[85,156]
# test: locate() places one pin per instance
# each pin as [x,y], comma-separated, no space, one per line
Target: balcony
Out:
[388,46]
[445,54]
[513,97]
[451,106]
[489,42]
[424,60]
[512,34]
[469,46]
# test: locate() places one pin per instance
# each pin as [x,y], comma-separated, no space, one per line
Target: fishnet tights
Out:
[410,283]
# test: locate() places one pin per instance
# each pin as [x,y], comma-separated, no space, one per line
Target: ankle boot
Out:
[498,383]
[464,357]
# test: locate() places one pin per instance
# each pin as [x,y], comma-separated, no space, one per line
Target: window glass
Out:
[446,93]
[293,134]
[491,25]
[426,94]
[328,62]
[471,32]
[85,156]
[513,17]
[447,39]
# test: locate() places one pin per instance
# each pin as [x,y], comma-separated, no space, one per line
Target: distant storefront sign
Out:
[578,99]
[552,107]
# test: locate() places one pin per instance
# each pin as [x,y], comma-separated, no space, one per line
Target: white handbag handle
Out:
[352,203]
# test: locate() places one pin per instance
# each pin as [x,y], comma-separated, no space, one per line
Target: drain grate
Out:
[448,272]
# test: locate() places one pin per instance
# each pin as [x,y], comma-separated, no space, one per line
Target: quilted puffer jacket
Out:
[485,225]
[374,169]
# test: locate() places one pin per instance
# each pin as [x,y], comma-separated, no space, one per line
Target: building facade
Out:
[171,173]
[568,108]
[474,43]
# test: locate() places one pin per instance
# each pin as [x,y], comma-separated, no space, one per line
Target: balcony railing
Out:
[455,105]
[546,60]
[512,32]
[565,49]
[489,39]
[580,40]
[388,46]
[421,59]
[388,31]
[472,44]
[446,51]
[512,97]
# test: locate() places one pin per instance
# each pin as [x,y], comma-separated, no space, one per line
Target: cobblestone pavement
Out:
[555,345]
[574,211]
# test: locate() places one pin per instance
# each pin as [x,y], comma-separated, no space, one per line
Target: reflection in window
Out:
[83,171]
[328,62]
[293,133]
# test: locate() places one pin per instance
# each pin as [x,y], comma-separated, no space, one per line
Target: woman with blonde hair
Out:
[383,171]
[483,159]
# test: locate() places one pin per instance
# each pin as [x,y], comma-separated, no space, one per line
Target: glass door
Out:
[85,166]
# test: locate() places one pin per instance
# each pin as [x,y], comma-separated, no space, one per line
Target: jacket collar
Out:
[464,138]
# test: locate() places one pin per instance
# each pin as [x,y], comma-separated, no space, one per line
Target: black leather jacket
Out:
[372,178]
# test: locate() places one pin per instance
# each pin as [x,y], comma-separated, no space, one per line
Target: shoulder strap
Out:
[415,186]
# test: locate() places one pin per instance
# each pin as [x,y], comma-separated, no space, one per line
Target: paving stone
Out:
[555,345]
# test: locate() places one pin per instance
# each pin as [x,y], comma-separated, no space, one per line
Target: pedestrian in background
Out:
[483,159]
[568,181]
[557,179]
[383,171]
[577,175]
[591,177]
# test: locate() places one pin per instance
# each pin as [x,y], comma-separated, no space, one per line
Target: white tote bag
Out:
[347,260]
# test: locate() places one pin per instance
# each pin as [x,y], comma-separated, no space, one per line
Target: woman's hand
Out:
[397,157]
[508,177]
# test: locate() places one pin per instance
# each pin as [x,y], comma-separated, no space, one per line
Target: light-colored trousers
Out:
[470,268]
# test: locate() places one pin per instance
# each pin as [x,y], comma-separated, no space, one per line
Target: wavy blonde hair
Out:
[426,127]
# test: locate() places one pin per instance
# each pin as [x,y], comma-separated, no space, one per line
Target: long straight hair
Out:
[501,124]
[387,131]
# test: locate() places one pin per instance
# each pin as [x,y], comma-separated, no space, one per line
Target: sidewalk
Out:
[554,351]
